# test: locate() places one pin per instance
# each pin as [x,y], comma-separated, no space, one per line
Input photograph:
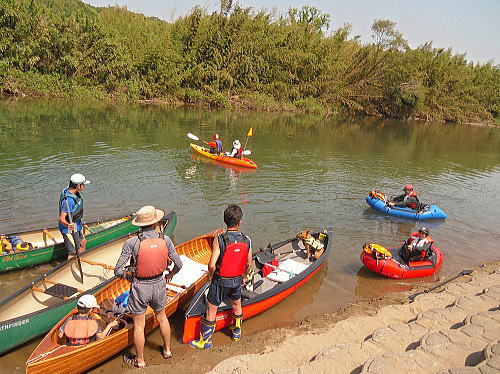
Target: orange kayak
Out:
[246,162]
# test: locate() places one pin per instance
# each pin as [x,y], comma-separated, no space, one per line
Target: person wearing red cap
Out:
[407,200]
[216,145]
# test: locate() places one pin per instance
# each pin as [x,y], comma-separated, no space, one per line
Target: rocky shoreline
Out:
[454,329]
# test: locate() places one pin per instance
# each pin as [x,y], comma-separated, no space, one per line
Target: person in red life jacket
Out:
[418,246]
[81,328]
[237,151]
[150,254]
[407,200]
[215,145]
[231,258]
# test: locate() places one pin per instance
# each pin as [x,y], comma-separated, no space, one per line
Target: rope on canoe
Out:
[38,358]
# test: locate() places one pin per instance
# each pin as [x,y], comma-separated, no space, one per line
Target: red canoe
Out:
[267,291]
[395,267]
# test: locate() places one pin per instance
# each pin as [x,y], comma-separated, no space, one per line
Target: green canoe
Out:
[33,311]
[48,244]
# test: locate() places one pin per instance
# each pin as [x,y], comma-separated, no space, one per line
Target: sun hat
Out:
[79,179]
[408,187]
[87,301]
[147,215]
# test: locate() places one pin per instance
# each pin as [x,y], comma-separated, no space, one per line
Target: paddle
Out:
[74,240]
[192,136]
[463,272]
[247,152]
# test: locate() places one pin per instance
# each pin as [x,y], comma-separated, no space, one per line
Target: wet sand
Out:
[197,361]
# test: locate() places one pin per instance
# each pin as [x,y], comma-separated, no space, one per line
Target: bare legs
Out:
[164,330]
[139,339]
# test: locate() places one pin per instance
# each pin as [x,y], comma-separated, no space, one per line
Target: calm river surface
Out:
[312,173]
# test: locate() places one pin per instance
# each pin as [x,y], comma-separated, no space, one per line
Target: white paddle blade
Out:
[194,137]
[247,152]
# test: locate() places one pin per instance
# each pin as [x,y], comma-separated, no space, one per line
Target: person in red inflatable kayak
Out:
[407,200]
[418,246]
[231,259]
[215,145]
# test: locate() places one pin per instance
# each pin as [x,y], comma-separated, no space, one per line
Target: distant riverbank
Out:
[237,58]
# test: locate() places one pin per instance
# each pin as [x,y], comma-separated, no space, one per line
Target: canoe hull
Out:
[434,212]
[245,162]
[16,331]
[15,261]
[393,269]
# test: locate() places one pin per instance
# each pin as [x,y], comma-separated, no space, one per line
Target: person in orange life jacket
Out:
[237,151]
[231,258]
[407,200]
[150,254]
[417,246]
[72,232]
[215,145]
[81,328]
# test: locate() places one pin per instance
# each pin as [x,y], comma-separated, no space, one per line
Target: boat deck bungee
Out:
[48,244]
[31,312]
[431,212]
[52,356]
[271,289]
[395,267]
[246,162]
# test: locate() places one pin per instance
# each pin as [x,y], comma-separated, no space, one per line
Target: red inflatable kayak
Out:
[395,267]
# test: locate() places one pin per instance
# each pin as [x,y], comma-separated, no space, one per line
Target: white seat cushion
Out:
[190,272]
[290,266]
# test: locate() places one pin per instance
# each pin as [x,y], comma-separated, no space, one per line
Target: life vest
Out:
[239,153]
[152,258]
[77,211]
[315,244]
[378,195]
[80,329]
[218,145]
[419,244]
[233,257]
[412,205]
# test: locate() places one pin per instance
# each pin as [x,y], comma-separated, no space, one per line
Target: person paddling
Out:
[408,199]
[215,145]
[82,328]
[150,254]
[237,151]
[231,258]
[72,232]
[418,246]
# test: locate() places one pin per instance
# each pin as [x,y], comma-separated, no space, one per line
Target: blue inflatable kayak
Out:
[430,212]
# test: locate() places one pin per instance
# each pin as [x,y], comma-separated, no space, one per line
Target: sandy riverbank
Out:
[264,345]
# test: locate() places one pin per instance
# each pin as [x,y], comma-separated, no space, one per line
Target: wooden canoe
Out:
[48,244]
[267,291]
[52,357]
[31,312]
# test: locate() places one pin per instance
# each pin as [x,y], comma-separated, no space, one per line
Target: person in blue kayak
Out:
[231,259]
[407,200]
[216,145]
[72,232]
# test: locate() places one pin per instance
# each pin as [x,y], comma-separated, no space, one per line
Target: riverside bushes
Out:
[236,57]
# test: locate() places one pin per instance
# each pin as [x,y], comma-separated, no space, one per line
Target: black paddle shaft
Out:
[74,240]
[462,273]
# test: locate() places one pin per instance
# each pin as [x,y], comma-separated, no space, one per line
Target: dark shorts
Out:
[217,292]
[70,239]
[147,292]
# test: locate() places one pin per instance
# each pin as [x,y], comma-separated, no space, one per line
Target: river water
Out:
[313,173]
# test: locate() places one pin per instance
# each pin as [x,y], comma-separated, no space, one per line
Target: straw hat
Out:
[147,215]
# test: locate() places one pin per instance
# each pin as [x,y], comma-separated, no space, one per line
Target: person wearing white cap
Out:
[236,151]
[72,232]
[149,254]
[81,328]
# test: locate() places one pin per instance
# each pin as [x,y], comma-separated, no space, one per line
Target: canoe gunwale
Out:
[279,288]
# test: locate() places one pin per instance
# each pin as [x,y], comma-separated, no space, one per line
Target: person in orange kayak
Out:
[237,151]
[215,145]
[418,246]
[81,328]
[407,200]
[231,258]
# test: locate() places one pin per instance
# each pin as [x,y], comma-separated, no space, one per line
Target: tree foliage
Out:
[237,56]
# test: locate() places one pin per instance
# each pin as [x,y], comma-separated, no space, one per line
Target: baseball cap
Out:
[87,301]
[79,179]
[408,187]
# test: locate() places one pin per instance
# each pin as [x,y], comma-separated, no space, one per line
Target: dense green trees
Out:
[236,57]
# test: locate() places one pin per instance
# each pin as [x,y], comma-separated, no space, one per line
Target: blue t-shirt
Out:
[71,203]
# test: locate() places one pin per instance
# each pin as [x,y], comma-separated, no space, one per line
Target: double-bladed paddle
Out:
[246,152]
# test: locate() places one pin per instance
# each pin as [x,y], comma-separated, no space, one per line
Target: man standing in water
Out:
[72,232]
[231,258]
[150,253]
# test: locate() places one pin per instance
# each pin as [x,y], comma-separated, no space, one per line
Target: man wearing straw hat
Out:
[150,254]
